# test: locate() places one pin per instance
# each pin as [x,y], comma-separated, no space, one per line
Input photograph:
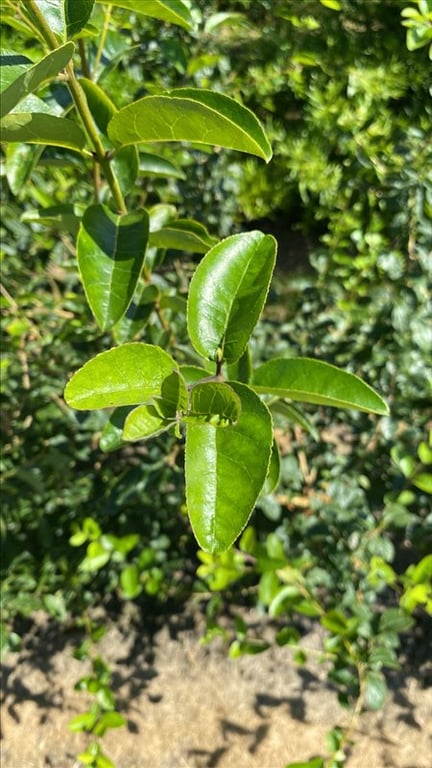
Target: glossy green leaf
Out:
[183,235]
[154,165]
[227,294]
[189,114]
[77,14]
[173,400]
[241,370]
[41,128]
[423,481]
[145,422]
[225,471]
[171,11]
[33,77]
[110,251]
[313,381]
[215,403]
[193,373]
[137,313]
[112,434]
[126,375]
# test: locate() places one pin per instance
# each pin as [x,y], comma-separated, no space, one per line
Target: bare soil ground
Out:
[189,706]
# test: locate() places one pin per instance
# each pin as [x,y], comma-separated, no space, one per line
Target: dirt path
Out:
[189,706]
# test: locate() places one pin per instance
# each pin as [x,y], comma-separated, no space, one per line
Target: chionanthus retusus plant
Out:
[225,412]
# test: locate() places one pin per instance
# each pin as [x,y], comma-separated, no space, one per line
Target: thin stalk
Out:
[102,41]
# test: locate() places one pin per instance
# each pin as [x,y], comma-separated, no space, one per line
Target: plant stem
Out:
[81,105]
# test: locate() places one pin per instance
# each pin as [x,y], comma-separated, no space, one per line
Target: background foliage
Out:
[344,541]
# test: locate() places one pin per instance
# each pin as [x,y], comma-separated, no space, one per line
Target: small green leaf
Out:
[225,471]
[183,235]
[174,396]
[137,314]
[194,115]
[227,294]
[215,403]
[171,11]
[145,422]
[110,252]
[77,14]
[375,690]
[83,722]
[423,481]
[126,375]
[316,762]
[111,437]
[33,77]
[40,128]
[154,165]
[313,381]
[129,581]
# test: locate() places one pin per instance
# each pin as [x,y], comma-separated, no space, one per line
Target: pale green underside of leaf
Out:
[110,252]
[171,11]
[227,294]
[126,375]
[30,80]
[39,128]
[191,114]
[313,381]
[225,472]
[143,423]
[183,235]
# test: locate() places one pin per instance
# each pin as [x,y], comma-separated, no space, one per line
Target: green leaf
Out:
[225,471]
[154,165]
[111,437]
[171,11]
[40,128]
[395,620]
[77,14]
[65,217]
[129,581]
[183,235]
[215,403]
[83,722]
[173,399]
[227,294]
[189,114]
[313,381]
[30,80]
[145,422]
[293,414]
[423,481]
[110,252]
[126,375]
[273,475]
[375,690]
[242,368]
[138,312]
[20,162]
[316,762]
